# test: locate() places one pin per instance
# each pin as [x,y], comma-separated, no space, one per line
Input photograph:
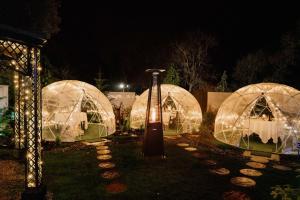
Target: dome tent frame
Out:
[179,114]
[186,106]
[234,121]
[73,108]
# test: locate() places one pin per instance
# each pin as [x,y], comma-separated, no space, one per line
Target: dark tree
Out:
[39,16]
[191,56]
[49,72]
[222,85]
[250,69]
[284,61]
[172,76]
[100,82]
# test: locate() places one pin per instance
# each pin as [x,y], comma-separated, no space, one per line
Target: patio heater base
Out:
[153,140]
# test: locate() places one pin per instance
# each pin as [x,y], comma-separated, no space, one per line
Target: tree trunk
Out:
[190,87]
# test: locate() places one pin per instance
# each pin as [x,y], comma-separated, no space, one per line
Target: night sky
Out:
[123,40]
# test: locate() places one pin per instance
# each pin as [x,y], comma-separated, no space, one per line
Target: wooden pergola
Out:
[20,52]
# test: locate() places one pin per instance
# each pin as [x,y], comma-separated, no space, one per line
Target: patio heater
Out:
[153,138]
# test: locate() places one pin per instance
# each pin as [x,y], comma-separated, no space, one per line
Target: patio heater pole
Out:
[153,138]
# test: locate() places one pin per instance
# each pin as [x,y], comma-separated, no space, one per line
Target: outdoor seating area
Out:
[181,113]
[138,103]
[271,111]
[74,110]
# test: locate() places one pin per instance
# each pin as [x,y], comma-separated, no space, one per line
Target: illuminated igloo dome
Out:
[75,110]
[268,112]
[181,111]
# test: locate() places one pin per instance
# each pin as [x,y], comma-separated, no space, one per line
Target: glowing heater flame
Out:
[153,115]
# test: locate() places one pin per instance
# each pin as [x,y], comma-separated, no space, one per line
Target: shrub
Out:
[208,121]
[285,192]
[6,127]
[57,141]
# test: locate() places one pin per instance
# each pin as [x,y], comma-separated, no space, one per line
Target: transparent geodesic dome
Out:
[181,111]
[75,110]
[268,110]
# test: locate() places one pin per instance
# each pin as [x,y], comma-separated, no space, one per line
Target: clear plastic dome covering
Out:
[75,110]
[181,111]
[267,109]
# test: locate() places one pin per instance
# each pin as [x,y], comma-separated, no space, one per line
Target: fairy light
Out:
[29,155]
[33,170]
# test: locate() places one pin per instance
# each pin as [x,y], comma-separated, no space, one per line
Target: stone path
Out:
[246,181]
[108,168]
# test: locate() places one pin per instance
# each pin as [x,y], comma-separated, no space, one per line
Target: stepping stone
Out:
[101,147]
[190,149]
[256,165]
[104,157]
[220,171]
[86,143]
[133,135]
[97,144]
[282,167]
[250,172]
[106,165]
[247,153]
[243,181]
[106,140]
[296,165]
[199,155]
[170,137]
[93,143]
[259,159]
[110,174]
[297,170]
[116,188]
[194,136]
[210,162]
[235,195]
[102,152]
[183,144]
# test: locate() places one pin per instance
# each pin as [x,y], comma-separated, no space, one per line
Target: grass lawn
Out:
[74,174]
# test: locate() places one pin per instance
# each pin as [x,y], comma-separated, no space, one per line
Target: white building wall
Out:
[215,99]
[125,98]
[3,97]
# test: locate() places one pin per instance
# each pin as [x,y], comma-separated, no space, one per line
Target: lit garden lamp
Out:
[153,138]
[123,86]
